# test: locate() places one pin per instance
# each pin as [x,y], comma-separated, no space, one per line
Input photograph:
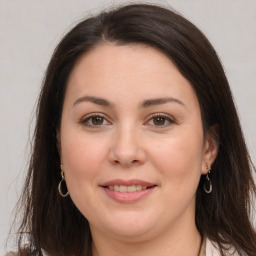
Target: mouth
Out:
[128,189]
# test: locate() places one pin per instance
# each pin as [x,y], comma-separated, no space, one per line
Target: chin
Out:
[130,227]
[130,234]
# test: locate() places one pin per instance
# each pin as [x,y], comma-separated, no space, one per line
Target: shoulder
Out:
[212,250]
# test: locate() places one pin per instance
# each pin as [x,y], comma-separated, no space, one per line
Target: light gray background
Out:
[29,31]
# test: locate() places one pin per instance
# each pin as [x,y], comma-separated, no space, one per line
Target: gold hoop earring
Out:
[60,186]
[208,182]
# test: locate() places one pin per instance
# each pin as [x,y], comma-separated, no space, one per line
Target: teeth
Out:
[138,187]
[125,189]
[116,188]
[131,188]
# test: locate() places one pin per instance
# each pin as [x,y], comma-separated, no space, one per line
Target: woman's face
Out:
[131,142]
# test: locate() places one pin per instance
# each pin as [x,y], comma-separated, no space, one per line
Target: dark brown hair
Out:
[54,223]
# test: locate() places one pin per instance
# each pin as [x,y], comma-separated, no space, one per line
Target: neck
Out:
[183,241]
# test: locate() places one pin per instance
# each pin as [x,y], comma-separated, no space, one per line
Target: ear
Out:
[211,147]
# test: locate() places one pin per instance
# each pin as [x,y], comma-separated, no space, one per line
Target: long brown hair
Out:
[53,223]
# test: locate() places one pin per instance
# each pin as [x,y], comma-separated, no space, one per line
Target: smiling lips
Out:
[127,191]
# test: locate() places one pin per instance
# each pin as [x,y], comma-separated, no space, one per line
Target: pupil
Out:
[159,121]
[97,120]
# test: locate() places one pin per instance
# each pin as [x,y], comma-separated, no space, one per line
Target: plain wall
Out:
[30,30]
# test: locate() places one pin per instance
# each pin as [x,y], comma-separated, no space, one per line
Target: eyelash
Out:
[89,117]
[162,116]
[166,118]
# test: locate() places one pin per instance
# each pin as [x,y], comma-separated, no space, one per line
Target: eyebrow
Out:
[95,100]
[160,101]
[144,104]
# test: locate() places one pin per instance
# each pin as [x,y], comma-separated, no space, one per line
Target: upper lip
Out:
[127,183]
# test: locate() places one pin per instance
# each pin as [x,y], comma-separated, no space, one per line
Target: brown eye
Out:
[159,120]
[97,120]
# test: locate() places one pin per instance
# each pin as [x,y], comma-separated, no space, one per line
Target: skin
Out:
[127,141]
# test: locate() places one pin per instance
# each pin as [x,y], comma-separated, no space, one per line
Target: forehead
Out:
[133,57]
[124,70]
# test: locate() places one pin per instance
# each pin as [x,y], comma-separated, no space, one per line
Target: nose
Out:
[127,148]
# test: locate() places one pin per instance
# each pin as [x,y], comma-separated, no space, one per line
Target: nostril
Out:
[126,163]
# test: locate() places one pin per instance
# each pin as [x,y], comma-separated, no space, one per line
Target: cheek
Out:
[81,157]
[179,160]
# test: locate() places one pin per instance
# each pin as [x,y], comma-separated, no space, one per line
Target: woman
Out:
[138,149]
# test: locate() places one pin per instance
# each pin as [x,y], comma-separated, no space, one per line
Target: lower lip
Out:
[128,197]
